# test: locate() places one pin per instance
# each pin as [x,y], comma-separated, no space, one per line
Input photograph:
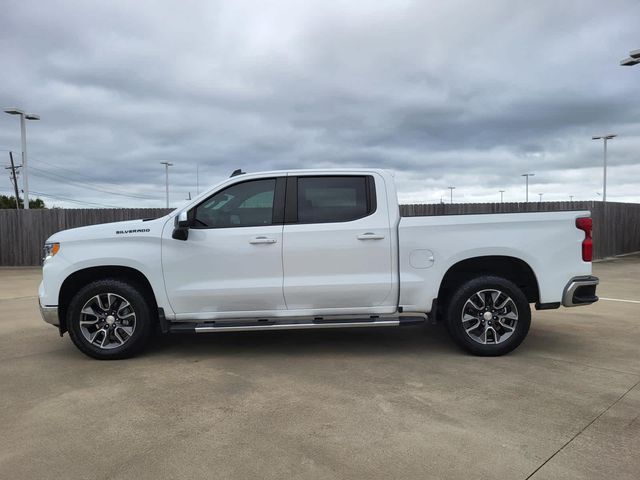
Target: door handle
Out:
[370,236]
[262,239]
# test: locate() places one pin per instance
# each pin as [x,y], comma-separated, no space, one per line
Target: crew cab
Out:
[312,249]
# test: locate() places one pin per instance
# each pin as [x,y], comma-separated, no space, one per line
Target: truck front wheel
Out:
[109,319]
[488,316]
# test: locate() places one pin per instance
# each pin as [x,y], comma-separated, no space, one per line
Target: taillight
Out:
[586,224]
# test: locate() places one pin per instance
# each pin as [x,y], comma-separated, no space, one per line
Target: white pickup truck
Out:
[312,249]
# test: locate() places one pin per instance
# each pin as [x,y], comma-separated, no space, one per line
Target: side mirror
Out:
[182,224]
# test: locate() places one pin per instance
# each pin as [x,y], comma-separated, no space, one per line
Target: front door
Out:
[231,263]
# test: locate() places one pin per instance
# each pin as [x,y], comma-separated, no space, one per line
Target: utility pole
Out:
[23,136]
[606,138]
[166,170]
[451,189]
[526,176]
[502,195]
[15,181]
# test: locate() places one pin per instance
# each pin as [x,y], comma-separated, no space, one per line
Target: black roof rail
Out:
[237,172]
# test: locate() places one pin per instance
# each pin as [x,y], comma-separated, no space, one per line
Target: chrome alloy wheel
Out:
[107,321]
[489,317]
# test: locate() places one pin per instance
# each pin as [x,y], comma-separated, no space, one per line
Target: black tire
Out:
[142,320]
[495,330]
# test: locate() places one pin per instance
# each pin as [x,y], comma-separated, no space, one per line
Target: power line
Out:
[60,178]
[80,184]
[87,179]
[81,202]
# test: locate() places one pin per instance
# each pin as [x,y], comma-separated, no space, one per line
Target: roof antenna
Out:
[237,172]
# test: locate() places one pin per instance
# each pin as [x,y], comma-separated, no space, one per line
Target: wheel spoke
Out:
[473,327]
[494,334]
[111,299]
[484,336]
[123,304]
[494,296]
[503,304]
[117,335]
[88,310]
[95,334]
[102,306]
[104,338]
[506,325]
[127,330]
[89,322]
[474,304]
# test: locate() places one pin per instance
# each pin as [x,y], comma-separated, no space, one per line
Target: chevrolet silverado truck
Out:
[312,249]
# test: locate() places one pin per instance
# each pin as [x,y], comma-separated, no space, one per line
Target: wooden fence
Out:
[22,233]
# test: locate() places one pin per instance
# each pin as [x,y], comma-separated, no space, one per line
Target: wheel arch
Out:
[79,278]
[511,268]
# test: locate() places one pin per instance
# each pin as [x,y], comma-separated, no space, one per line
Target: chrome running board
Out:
[294,326]
[271,324]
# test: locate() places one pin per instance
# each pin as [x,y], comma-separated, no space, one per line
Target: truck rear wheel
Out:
[109,319]
[488,316]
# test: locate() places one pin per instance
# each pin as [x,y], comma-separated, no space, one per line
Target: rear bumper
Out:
[580,291]
[49,315]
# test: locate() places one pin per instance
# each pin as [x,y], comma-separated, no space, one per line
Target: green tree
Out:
[10,202]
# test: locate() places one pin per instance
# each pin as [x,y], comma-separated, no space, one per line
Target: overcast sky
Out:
[464,93]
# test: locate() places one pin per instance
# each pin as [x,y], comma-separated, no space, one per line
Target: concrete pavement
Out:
[396,403]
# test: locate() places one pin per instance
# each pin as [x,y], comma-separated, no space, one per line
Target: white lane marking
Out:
[619,300]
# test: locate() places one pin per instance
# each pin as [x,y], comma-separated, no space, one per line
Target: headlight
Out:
[49,250]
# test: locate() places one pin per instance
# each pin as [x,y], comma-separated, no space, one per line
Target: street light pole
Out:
[23,138]
[632,59]
[605,138]
[540,194]
[526,176]
[451,189]
[501,195]
[166,170]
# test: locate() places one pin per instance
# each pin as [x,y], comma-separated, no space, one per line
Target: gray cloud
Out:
[442,92]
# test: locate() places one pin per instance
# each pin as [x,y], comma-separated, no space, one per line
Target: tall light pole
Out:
[540,194]
[451,189]
[571,198]
[632,59]
[605,138]
[23,134]
[502,195]
[526,176]
[166,170]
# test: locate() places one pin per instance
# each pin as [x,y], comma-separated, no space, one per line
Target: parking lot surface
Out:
[360,404]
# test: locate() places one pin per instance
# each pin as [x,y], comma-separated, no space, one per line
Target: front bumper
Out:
[49,315]
[580,291]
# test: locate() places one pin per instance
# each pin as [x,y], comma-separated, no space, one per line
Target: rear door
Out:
[337,254]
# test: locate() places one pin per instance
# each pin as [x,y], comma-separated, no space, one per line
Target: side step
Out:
[231,326]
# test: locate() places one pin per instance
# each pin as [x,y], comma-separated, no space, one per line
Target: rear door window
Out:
[333,199]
